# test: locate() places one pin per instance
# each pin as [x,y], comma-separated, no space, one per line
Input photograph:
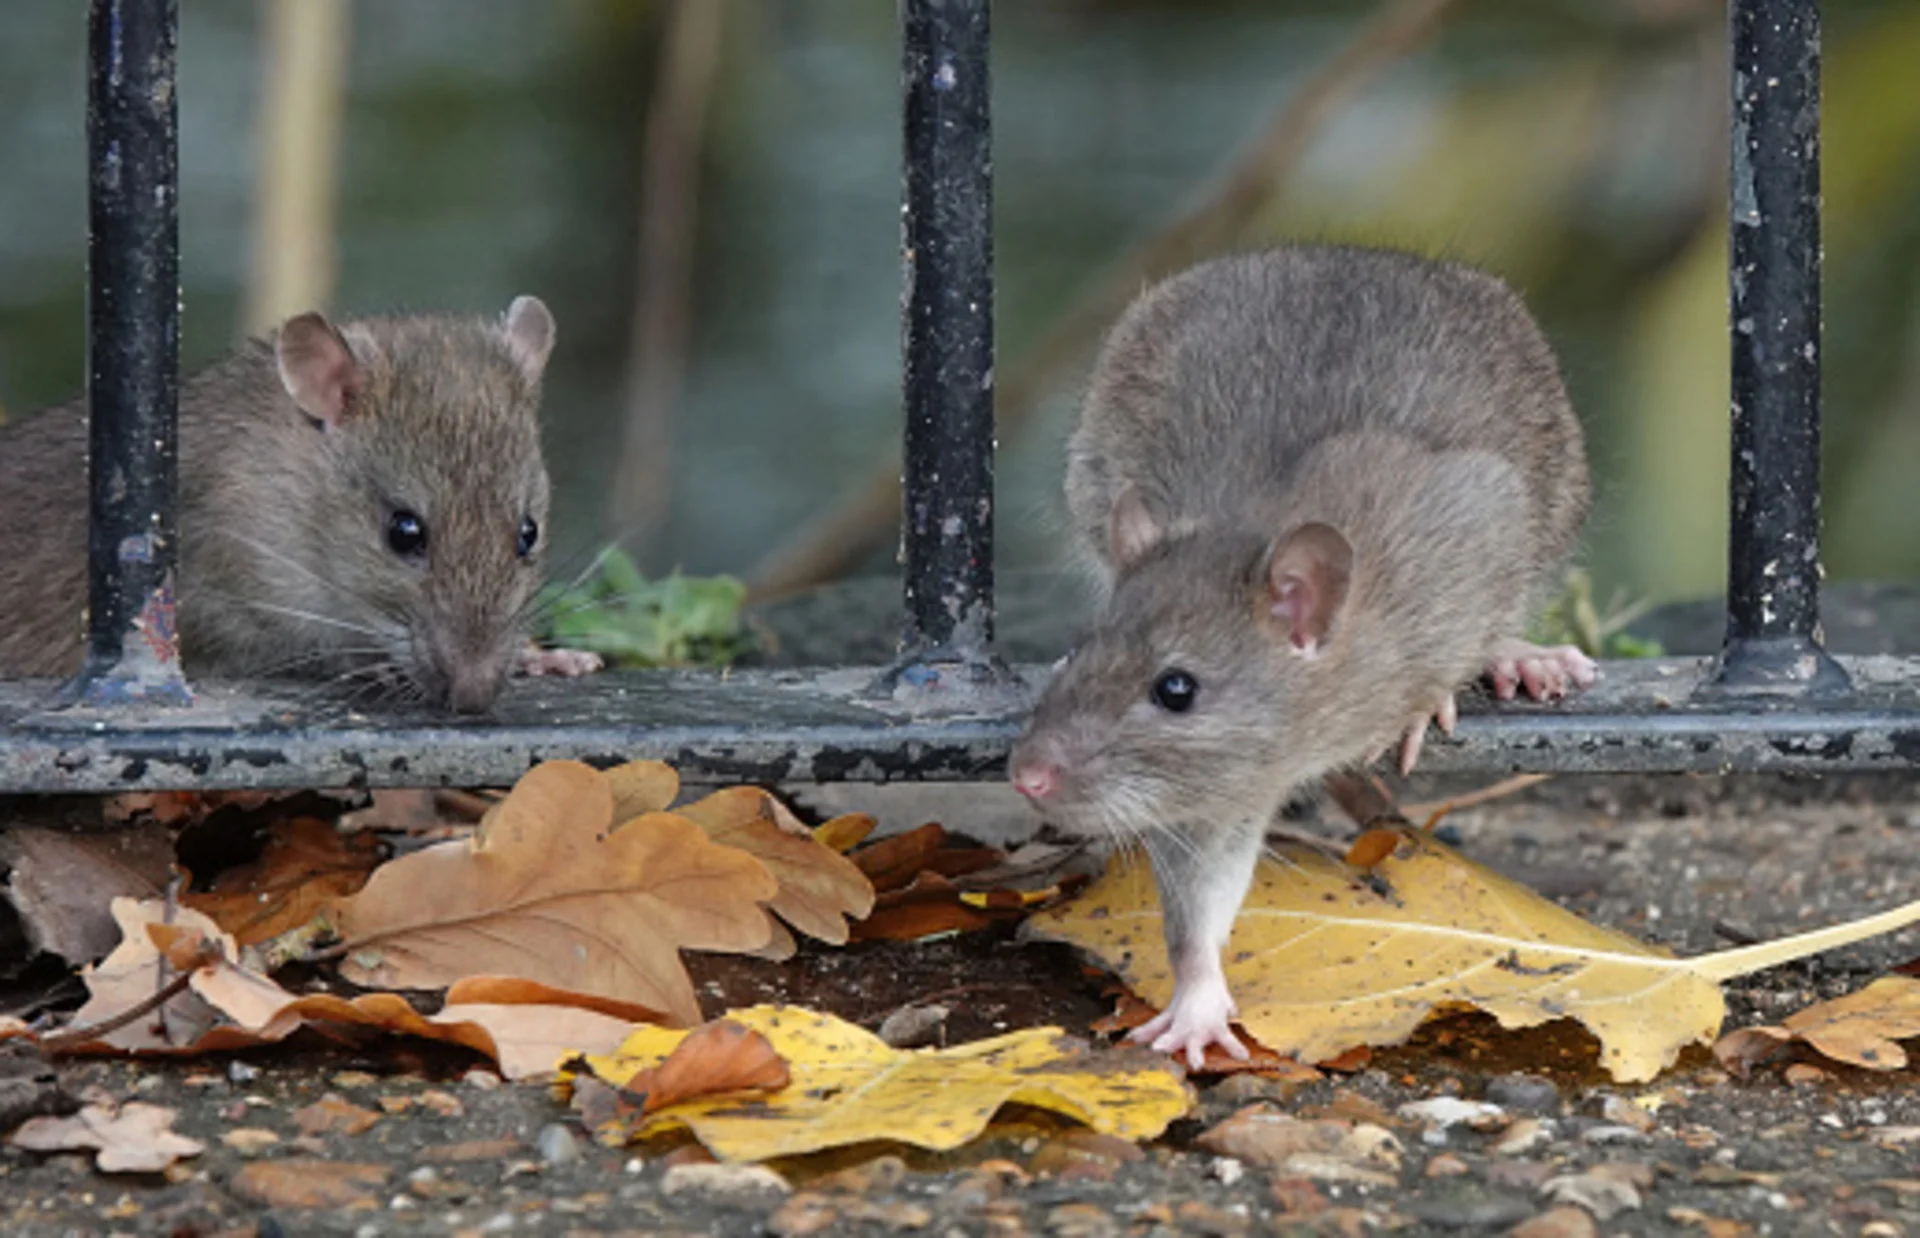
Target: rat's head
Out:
[1181,707]
[421,531]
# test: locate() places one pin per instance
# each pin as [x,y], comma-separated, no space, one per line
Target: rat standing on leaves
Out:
[366,499]
[1322,488]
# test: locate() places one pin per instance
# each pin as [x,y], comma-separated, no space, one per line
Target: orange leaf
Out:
[306,864]
[1372,847]
[893,863]
[720,1057]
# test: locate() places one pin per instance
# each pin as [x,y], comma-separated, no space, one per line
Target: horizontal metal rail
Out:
[826,726]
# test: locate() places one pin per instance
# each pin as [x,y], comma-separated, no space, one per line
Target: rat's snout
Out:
[1034,767]
[1034,778]
[471,689]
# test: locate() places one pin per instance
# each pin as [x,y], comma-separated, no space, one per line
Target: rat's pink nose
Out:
[1037,780]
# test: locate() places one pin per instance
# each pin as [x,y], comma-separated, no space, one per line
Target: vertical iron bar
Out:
[947,305]
[1773,568]
[133,306]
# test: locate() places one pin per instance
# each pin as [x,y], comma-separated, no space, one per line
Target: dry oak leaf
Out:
[848,1087]
[1324,957]
[717,1058]
[134,1138]
[819,888]
[524,1026]
[1862,1029]
[306,864]
[546,888]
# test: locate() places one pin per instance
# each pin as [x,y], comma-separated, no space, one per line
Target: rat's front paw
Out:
[1545,672]
[567,663]
[1197,1016]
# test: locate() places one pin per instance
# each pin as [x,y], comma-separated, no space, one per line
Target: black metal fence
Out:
[1773,700]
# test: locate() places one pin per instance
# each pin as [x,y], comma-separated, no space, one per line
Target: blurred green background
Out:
[494,147]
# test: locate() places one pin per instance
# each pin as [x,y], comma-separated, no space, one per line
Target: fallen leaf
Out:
[1372,847]
[306,864]
[893,863]
[307,1182]
[524,1026]
[61,883]
[849,1087]
[544,889]
[718,1057]
[819,888]
[1324,957]
[845,832]
[931,906]
[1861,1029]
[134,1138]
[641,787]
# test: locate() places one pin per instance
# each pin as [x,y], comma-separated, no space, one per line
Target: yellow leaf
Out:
[1324,957]
[850,1087]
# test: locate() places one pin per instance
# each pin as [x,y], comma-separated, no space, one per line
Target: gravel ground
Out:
[424,1141]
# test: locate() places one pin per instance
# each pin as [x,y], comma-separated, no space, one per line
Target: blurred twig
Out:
[303,79]
[846,533]
[669,199]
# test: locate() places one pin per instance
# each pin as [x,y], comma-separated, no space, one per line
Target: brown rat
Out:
[356,500]
[1321,488]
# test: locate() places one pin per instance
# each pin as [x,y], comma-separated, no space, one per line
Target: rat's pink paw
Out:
[567,663]
[1446,716]
[1197,1016]
[1546,673]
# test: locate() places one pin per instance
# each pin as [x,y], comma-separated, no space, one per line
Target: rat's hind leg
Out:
[1546,672]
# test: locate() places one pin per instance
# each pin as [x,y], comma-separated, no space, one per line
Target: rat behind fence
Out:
[1321,488]
[364,502]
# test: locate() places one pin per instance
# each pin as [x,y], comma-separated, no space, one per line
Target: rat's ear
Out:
[1131,529]
[1307,574]
[530,332]
[317,369]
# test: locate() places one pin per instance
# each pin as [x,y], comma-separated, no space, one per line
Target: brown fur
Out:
[281,513]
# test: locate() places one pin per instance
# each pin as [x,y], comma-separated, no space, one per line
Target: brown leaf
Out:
[135,1138]
[819,888]
[721,1056]
[1862,1029]
[307,1182]
[893,863]
[930,907]
[61,883]
[136,970]
[306,864]
[641,787]
[513,991]
[543,889]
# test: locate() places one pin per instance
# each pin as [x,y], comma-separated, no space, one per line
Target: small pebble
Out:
[1524,1094]
[1561,1222]
[1447,1165]
[557,1145]
[738,1186]
[481,1080]
[1479,1215]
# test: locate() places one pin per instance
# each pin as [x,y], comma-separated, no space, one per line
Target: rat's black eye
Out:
[1174,691]
[529,535]
[406,534]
